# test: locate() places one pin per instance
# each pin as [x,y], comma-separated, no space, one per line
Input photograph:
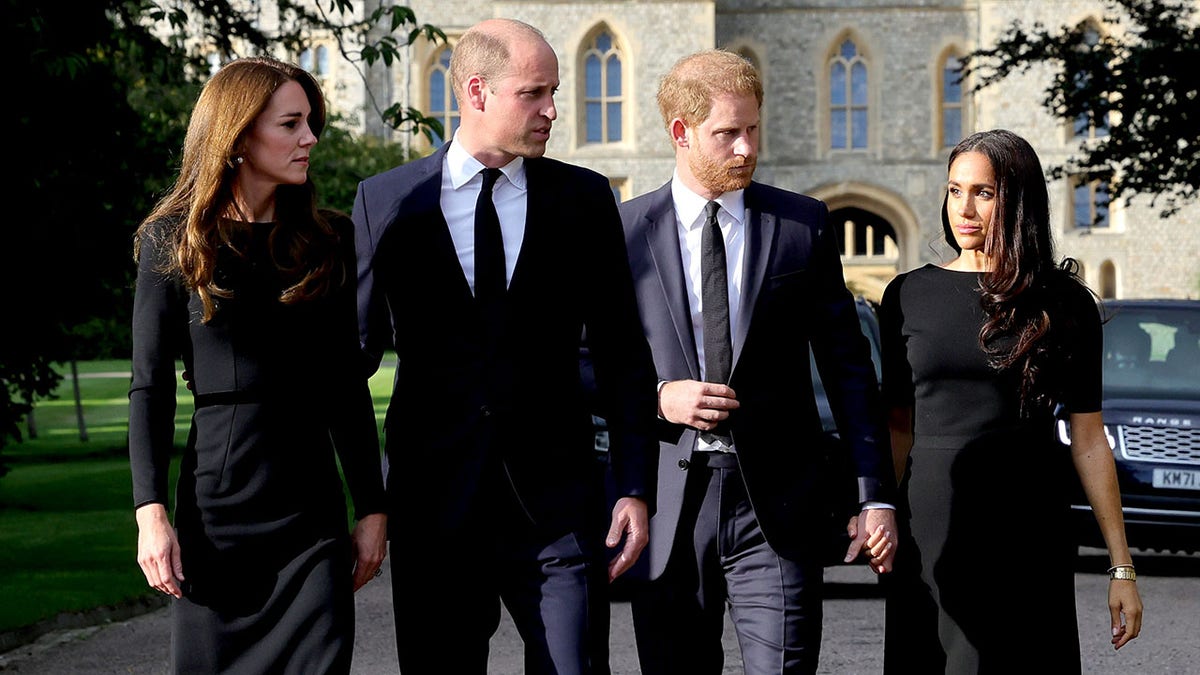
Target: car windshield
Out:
[1152,352]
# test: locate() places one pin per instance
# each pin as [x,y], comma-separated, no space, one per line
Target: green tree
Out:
[230,28]
[102,93]
[86,163]
[1133,76]
[342,159]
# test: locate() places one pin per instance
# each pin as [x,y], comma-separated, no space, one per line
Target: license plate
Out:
[1177,479]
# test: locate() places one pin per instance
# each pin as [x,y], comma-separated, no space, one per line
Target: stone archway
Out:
[876,234]
[867,243]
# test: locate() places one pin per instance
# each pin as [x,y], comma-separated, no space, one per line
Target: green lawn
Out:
[104,393]
[67,539]
[67,535]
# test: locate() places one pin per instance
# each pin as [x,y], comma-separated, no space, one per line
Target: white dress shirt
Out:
[689,218]
[461,183]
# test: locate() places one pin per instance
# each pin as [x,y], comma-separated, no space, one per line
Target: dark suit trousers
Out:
[448,592]
[720,556]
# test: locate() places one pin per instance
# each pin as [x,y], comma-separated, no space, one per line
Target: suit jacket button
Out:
[684,464]
[486,411]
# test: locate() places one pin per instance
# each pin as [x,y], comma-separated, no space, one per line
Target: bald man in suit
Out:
[481,265]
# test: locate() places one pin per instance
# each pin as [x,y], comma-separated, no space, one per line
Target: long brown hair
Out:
[1022,292]
[199,204]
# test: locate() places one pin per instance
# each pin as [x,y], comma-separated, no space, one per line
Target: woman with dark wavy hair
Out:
[978,356]
[252,287]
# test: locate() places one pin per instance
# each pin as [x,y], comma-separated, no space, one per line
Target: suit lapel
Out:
[540,210]
[662,238]
[424,208]
[760,235]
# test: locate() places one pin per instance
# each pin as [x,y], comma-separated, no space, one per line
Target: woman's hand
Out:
[1125,606]
[158,550]
[873,532]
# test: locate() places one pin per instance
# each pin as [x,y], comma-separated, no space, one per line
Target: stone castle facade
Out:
[861,109]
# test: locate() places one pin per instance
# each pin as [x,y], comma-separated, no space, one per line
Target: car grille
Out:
[1160,444]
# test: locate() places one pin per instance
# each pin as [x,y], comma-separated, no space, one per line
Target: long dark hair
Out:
[1019,293]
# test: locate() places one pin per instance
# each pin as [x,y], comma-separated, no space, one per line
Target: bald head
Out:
[505,75]
[486,50]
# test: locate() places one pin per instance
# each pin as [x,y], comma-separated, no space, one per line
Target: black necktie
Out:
[489,244]
[714,296]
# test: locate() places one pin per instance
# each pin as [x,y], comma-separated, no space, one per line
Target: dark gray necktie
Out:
[489,244]
[714,296]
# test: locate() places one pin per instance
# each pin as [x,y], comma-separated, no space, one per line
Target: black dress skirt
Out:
[984,575]
[260,508]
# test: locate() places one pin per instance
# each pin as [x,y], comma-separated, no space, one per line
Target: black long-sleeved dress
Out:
[260,509]
[984,576]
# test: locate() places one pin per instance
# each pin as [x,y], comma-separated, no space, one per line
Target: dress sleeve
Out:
[1085,357]
[896,378]
[353,428]
[159,337]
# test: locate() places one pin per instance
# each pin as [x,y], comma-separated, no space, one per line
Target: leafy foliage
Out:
[223,27]
[106,88]
[87,162]
[1135,74]
[342,159]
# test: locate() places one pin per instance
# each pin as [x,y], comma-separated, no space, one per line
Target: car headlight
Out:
[1064,434]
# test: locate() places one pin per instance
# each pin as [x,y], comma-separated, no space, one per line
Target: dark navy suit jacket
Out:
[459,403]
[794,296]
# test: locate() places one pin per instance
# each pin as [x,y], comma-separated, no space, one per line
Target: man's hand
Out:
[370,548]
[630,518]
[697,404]
[873,532]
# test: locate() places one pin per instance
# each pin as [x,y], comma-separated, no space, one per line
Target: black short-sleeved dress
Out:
[260,509]
[983,578]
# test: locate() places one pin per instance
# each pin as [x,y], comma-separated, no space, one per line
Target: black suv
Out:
[1152,420]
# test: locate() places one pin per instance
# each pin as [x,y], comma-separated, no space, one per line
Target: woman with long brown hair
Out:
[978,356]
[252,287]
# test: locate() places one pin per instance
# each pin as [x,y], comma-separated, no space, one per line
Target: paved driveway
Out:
[852,644]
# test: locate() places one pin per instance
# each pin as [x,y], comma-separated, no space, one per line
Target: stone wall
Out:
[900,175]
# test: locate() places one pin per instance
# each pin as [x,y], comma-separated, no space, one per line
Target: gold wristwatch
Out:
[1123,573]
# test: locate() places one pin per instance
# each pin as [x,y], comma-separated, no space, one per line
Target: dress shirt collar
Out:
[689,206]
[463,167]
